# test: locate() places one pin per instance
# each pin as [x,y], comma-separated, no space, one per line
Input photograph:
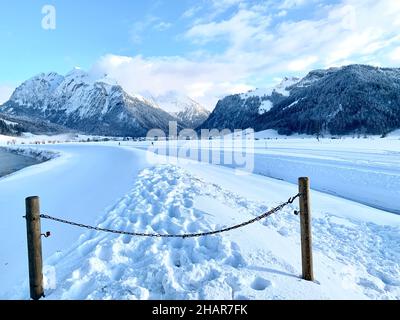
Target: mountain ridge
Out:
[79,102]
[344,100]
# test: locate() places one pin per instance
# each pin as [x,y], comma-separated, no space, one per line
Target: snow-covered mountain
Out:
[240,111]
[349,99]
[81,102]
[189,113]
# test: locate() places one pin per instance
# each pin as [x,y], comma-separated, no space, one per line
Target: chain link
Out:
[189,235]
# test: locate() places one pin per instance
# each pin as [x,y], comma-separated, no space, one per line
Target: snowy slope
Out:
[282,88]
[240,111]
[16,125]
[35,92]
[190,114]
[356,248]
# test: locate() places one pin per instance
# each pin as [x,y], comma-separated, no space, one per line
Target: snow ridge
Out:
[40,155]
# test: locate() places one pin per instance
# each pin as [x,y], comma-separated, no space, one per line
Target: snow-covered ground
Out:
[356,247]
[363,170]
[80,184]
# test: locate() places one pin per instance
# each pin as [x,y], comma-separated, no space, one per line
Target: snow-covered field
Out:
[356,246]
[363,170]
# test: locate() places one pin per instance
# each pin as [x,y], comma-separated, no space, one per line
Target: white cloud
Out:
[222,5]
[347,31]
[288,4]
[395,54]
[246,27]
[149,22]
[204,81]
[302,64]
[281,13]
[5,93]
[116,61]
[259,48]
[138,28]
[215,8]
[162,26]
[189,13]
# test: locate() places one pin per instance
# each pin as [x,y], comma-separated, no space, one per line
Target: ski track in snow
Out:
[109,266]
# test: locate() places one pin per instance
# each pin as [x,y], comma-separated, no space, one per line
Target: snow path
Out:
[353,259]
[79,185]
[356,248]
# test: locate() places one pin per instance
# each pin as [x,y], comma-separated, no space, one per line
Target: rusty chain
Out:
[189,235]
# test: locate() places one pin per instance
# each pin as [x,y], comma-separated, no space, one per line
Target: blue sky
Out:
[85,30]
[203,48]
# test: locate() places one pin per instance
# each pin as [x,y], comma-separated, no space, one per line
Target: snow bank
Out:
[40,155]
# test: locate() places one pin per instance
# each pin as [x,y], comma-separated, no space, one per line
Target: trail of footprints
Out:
[162,201]
[125,267]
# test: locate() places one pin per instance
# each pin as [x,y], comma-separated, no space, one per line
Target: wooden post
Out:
[305,229]
[33,232]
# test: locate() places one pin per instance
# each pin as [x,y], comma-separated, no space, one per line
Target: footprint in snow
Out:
[260,284]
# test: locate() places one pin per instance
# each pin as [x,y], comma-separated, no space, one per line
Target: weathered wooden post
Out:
[33,232]
[305,229]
